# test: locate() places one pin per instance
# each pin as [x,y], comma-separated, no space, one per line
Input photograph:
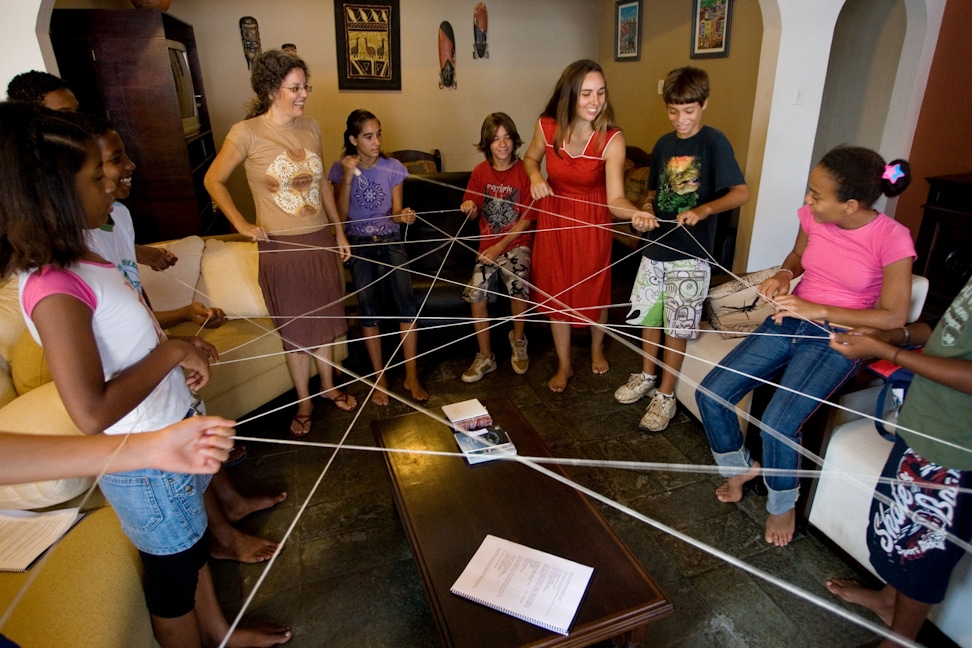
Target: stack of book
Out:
[476,435]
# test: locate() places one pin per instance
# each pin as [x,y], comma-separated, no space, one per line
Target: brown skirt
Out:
[303,286]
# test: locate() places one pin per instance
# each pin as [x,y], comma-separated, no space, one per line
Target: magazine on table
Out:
[486,444]
[468,415]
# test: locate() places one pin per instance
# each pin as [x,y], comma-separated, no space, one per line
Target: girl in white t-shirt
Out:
[114,369]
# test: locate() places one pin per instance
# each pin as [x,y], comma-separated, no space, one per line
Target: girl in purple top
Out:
[368,193]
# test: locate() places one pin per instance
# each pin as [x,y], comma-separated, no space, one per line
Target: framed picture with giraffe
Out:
[368,47]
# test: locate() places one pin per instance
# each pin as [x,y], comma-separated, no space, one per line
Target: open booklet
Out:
[25,535]
[467,415]
[526,583]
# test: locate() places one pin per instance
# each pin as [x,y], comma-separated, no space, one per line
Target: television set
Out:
[185,93]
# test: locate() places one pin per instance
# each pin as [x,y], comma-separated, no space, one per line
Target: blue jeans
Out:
[379,270]
[161,512]
[808,366]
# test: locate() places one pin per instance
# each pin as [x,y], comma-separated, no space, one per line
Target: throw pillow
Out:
[174,287]
[734,308]
[420,167]
[228,279]
[28,364]
[11,321]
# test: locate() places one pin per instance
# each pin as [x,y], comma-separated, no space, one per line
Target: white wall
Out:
[20,50]
[797,37]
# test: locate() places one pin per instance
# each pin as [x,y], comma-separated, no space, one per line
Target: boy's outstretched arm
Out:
[735,197]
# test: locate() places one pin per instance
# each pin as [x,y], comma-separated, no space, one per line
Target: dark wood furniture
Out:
[447,507]
[409,157]
[944,242]
[117,63]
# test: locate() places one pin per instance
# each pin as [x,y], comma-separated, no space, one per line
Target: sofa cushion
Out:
[28,364]
[636,185]
[734,308]
[174,287]
[11,321]
[228,279]
[39,411]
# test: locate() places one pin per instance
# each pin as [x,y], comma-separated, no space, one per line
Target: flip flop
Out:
[343,403]
[304,421]
[236,456]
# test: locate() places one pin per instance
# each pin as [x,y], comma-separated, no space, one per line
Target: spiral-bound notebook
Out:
[525,583]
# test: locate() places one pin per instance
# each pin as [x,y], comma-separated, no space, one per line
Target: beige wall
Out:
[529,44]
[665,43]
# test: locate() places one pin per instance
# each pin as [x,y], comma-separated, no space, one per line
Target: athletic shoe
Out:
[520,360]
[635,389]
[479,368]
[660,412]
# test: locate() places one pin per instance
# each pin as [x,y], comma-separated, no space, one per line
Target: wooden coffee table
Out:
[447,507]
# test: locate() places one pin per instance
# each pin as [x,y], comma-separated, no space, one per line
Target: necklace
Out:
[365,165]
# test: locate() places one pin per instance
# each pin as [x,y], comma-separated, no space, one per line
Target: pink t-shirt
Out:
[845,268]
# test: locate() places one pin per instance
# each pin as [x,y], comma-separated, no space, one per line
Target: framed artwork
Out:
[368,46]
[627,30]
[710,28]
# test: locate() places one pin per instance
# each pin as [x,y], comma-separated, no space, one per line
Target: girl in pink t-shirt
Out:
[855,269]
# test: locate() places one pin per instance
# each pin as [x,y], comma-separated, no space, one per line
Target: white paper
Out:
[25,535]
[526,583]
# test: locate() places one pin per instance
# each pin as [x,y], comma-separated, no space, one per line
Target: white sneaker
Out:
[661,410]
[635,389]
[520,360]
[479,368]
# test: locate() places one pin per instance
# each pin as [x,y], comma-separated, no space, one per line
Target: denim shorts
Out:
[161,512]
[381,278]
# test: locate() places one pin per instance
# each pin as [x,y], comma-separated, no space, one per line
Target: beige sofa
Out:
[89,593]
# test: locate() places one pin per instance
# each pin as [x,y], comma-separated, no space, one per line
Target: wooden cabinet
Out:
[944,243]
[117,61]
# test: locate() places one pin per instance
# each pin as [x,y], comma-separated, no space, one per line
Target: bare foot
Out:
[880,602]
[558,383]
[418,392]
[240,507]
[599,364]
[780,528]
[262,635]
[379,395]
[732,490]
[236,545]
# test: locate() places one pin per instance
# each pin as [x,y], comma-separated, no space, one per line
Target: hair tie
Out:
[892,172]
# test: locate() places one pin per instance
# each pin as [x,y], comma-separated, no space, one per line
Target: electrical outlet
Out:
[661,84]
[798,95]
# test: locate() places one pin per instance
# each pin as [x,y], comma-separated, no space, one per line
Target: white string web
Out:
[628,336]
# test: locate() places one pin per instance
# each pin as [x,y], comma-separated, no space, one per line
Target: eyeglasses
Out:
[297,88]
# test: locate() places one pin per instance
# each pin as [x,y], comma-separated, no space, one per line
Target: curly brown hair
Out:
[269,71]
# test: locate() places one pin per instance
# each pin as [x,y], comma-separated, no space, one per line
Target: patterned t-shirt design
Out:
[368,195]
[500,206]
[679,186]
[294,180]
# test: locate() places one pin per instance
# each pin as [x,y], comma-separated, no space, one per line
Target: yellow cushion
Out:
[11,320]
[88,594]
[28,364]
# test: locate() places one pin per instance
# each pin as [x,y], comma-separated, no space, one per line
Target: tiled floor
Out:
[346,577]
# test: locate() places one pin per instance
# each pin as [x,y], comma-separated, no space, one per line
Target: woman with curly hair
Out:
[297,224]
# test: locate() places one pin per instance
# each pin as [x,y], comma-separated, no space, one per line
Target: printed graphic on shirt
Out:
[367,195]
[501,206]
[130,271]
[903,537]
[294,180]
[679,184]
[956,317]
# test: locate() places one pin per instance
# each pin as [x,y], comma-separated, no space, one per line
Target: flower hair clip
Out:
[892,172]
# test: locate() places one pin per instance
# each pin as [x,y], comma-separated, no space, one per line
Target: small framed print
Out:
[627,30]
[710,28]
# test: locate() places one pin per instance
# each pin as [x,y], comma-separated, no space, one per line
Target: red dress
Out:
[571,258]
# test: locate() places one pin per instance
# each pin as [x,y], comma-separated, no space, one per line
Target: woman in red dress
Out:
[585,154]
